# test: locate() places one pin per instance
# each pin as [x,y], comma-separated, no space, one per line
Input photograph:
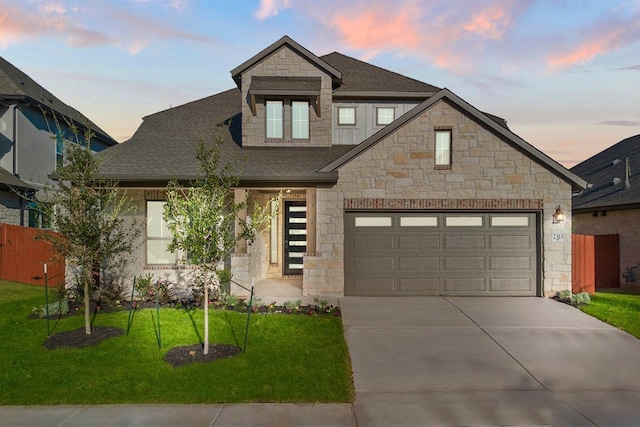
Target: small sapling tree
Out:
[202,217]
[89,215]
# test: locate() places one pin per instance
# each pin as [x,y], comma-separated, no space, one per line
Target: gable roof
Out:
[361,79]
[607,172]
[16,86]
[445,94]
[291,44]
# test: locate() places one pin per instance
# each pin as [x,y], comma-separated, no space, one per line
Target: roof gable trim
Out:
[285,41]
[575,181]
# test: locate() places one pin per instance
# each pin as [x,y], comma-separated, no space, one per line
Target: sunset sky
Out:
[565,74]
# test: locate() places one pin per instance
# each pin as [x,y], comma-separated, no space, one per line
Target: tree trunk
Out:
[206,319]
[87,308]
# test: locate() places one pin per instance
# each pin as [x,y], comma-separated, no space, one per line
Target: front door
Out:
[295,236]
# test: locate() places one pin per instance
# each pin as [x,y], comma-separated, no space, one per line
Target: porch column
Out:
[239,196]
[311,222]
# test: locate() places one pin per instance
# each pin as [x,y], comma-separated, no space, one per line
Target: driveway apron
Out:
[488,361]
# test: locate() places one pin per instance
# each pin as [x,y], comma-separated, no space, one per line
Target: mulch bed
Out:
[184,355]
[78,338]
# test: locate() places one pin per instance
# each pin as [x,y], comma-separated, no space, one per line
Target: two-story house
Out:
[29,117]
[391,186]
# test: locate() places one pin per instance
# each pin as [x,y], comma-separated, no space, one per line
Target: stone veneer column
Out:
[240,195]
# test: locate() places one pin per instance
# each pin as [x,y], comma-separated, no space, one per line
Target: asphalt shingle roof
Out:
[359,76]
[16,85]
[9,180]
[164,147]
[602,170]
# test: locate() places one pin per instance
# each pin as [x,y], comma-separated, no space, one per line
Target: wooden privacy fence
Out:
[595,262]
[22,258]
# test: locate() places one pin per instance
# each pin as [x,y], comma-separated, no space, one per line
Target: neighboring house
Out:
[612,204]
[29,117]
[391,186]
[14,193]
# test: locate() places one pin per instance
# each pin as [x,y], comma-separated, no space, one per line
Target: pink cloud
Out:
[20,22]
[131,32]
[270,8]
[440,32]
[599,40]
[490,23]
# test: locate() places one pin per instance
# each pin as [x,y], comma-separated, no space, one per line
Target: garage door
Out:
[440,253]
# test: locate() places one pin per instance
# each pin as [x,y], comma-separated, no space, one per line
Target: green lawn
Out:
[618,308]
[289,358]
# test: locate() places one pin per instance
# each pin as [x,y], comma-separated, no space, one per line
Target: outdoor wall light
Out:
[558,215]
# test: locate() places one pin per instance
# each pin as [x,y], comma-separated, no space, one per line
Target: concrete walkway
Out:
[434,362]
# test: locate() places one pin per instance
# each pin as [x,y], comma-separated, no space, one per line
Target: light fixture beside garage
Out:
[558,215]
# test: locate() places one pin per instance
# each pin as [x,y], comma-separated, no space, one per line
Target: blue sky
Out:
[565,74]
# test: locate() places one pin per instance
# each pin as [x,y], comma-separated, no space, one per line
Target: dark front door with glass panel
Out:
[295,236]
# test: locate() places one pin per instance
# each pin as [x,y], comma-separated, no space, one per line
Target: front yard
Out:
[618,308]
[289,358]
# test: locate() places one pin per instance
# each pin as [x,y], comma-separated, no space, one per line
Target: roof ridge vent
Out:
[616,181]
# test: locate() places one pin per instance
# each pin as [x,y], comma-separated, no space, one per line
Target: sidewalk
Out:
[240,415]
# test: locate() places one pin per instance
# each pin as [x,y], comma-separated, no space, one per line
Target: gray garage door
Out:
[441,253]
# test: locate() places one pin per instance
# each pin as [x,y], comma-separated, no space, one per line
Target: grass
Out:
[289,358]
[618,308]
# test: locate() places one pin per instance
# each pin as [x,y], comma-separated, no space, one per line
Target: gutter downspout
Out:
[15,140]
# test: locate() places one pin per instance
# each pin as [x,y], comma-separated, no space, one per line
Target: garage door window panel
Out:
[464,221]
[510,221]
[418,221]
[371,221]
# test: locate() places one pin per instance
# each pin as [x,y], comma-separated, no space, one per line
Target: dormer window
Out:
[300,119]
[274,119]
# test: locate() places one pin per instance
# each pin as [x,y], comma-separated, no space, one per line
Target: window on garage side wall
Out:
[443,149]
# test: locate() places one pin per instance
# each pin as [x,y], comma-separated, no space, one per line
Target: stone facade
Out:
[10,210]
[621,222]
[484,168]
[286,63]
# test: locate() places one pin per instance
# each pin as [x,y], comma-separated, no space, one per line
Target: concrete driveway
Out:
[488,361]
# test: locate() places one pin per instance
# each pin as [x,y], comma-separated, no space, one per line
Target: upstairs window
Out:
[384,115]
[274,119]
[443,149]
[346,116]
[300,120]
[59,150]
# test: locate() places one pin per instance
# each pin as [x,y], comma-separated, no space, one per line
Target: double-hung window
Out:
[443,148]
[300,119]
[274,119]
[158,235]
